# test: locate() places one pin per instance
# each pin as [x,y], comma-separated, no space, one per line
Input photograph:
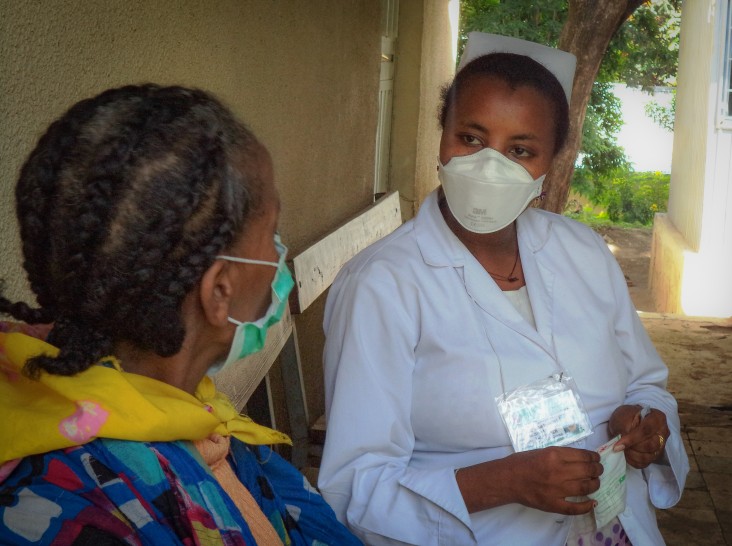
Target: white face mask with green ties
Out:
[249,337]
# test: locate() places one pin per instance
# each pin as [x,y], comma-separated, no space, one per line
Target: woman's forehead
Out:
[491,88]
[490,98]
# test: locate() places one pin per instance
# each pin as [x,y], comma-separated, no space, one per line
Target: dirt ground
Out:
[632,249]
[696,349]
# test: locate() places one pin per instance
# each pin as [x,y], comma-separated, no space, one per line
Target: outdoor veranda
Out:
[698,352]
[269,62]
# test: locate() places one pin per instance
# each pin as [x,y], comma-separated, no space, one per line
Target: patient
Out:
[148,218]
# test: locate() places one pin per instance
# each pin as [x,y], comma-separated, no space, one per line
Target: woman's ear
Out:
[216,291]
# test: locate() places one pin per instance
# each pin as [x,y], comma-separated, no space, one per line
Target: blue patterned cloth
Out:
[111,492]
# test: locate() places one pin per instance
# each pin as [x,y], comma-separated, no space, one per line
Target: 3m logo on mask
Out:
[480,212]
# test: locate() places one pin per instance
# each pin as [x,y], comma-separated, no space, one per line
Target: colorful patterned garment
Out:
[156,493]
[106,458]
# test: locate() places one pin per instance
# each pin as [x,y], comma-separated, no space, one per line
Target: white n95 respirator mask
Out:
[486,191]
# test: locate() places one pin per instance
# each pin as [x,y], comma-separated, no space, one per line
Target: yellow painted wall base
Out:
[686,282]
[667,265]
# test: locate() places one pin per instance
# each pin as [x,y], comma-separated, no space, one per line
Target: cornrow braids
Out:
[123,204]
[516,71]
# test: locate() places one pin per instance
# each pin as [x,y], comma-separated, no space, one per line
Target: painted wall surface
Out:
[425,62]
[668,249]
[691,259]
[303,75]
[438,62]
[690,126]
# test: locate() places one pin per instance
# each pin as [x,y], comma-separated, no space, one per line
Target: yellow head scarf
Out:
[55,412]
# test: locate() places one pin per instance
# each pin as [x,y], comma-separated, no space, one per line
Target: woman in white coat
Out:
[430,330]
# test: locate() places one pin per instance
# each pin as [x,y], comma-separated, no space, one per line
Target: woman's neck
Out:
[498,243]
[497,252]
[180,370]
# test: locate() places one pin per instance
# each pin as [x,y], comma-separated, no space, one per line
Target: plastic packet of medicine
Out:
[547,412]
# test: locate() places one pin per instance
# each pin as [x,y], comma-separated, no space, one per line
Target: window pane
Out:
[728,91]
[728,56]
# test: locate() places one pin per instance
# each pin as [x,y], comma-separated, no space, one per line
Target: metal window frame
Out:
[724,110]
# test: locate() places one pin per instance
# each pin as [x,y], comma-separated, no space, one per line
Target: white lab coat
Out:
[415,333]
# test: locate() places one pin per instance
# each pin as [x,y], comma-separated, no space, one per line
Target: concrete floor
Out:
[698,352]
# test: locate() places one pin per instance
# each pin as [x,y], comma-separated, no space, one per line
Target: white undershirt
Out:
[520,300]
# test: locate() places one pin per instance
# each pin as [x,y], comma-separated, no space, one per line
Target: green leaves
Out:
[636,197]
[643,53]
[631,198]
[524,19]
[662,115]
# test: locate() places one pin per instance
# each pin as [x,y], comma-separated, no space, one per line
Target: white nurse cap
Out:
[558,62]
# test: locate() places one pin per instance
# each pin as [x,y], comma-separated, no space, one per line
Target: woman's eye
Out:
[520,152]
[470,140]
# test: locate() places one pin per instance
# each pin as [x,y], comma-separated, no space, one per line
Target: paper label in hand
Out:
[612,493]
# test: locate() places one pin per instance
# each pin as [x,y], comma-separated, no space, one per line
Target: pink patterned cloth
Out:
[611,534]
[38,331]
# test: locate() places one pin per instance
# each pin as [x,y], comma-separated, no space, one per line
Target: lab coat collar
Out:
[440,247]
[534,230]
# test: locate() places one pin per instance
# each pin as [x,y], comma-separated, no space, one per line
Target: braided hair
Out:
[123,204]
[516,71]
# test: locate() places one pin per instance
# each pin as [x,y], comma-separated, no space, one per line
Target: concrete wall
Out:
[668,249]
[425,62]
[691,124]
[303,75]
[692,244]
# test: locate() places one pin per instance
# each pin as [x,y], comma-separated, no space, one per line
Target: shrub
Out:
[628,197]
[636,197]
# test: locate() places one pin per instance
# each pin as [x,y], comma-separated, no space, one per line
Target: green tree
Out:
[642,53]
[663,115]
[636,197]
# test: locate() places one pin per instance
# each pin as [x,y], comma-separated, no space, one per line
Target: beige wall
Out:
[425,62]
[303,74]
[691,129]
[668,249]
[691,258]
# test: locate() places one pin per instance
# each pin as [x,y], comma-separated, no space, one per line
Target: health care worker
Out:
[478,356]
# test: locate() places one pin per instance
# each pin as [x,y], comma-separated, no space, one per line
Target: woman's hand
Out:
[642,438]
[540,478]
